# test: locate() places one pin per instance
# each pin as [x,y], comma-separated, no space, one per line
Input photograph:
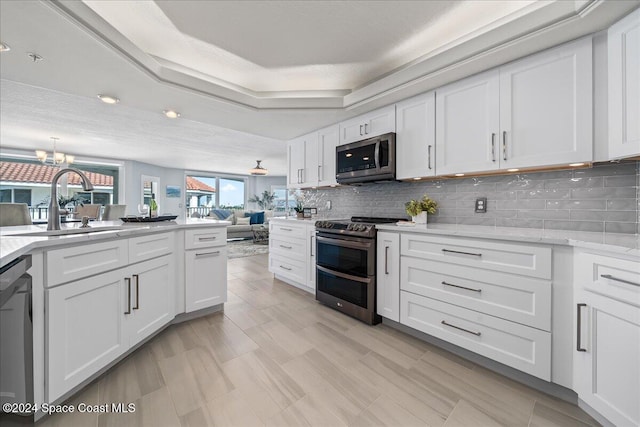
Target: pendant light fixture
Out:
[56,158]
[258,170]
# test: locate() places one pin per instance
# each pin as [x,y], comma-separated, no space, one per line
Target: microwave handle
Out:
[377,154]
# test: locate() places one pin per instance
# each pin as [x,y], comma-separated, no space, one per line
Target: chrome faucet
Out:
[53,222]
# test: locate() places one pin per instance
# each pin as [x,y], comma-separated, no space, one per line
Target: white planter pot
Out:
[421,218]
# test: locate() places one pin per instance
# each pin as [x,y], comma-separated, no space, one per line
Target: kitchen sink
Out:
[70,231]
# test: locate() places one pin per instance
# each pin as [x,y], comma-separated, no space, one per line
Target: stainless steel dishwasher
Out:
[16,341]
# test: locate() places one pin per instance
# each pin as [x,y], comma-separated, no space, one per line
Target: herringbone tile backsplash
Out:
[604,198]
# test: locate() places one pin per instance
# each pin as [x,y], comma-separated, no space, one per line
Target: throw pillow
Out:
[256,217]
[243,221]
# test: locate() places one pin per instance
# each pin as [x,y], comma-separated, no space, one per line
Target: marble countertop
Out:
[14,242]
[628,244]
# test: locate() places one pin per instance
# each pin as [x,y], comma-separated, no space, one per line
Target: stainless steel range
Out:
[346,266]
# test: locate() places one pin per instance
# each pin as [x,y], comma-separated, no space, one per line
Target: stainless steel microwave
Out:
[372,159]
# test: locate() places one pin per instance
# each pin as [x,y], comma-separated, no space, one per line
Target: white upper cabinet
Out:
[368,125]
[415,137]
[468,124]
[530,113]
[328,140]
[624,87]
[546,108]
[302,154]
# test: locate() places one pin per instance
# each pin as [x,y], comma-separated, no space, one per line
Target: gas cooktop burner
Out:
[356,226]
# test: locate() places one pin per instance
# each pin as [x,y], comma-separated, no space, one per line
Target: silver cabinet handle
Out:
[610,277]
[206,239]
[461,287]
[504,145]
[311,241]
[366,132]
[429,157]
[208,253]
[286,247]
[460,252]
[319,173]
[579,332]
[302,176]
[493,147]
[137,306]
[285,229]
[461,329]
[386,260]
[128,280]
[285,268]
[360,130]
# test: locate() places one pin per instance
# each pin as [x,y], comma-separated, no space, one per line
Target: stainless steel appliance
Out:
[373,159]
[346,266]
[16,340]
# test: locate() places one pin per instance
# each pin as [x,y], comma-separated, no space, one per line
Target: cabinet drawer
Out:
[531,261]
[205,238]
[65,265]
[518,346]
[289,268]
[612,277]
[515,298]
[287,230]
[152,246]
[288,247]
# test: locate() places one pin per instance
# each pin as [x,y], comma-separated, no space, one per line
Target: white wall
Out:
[167,176]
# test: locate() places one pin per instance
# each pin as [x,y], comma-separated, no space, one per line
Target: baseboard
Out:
[185,317]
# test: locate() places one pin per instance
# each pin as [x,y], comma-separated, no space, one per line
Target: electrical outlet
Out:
[481,205]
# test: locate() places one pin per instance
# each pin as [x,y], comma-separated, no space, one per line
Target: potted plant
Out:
[418,209]
[264,202]
[299,208]
[153,208]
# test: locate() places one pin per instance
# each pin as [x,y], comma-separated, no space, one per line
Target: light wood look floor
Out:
[275,357]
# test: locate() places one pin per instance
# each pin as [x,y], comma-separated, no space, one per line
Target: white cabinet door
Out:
[607,358]
[295,156]
[368,125]
[546,108]
[206,277]
[152,288]
[415,137]
[624,87]
[388,275]
[310,171]
[328,140]
[85,329]
[467,125]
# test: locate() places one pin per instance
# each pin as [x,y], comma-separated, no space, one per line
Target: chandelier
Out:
[57,158]
[258,170]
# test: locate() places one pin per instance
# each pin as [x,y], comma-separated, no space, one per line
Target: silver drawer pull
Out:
[610,277]
[204,239]
[285,229]
[208,253]
[461,329]
[462,253]
[285,268]
[461,287]
[286,247]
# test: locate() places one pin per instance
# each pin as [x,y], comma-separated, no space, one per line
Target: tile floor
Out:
[277,358]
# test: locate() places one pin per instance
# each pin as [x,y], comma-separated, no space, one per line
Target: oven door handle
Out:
[345,243]
[345,276]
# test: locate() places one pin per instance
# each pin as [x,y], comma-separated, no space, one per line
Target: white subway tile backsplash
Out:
[604,198]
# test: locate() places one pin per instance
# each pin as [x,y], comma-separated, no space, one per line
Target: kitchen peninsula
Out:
[100,293]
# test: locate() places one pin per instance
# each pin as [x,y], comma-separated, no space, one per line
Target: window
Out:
[5,195]
[210,192]
[22,195]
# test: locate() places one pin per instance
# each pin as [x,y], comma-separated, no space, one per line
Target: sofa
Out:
[242,222]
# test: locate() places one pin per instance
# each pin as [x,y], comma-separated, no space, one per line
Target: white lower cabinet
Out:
[518,346]
[206,277]
[92,321]
[388,275]
[607,342]
[292,252]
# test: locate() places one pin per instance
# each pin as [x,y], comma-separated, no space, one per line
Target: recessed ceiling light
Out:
[4,47]
[459,174]
[575,165]
[108,99]
[171,114]
[513,170]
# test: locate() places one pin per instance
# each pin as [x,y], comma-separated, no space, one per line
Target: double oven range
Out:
[346,266]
